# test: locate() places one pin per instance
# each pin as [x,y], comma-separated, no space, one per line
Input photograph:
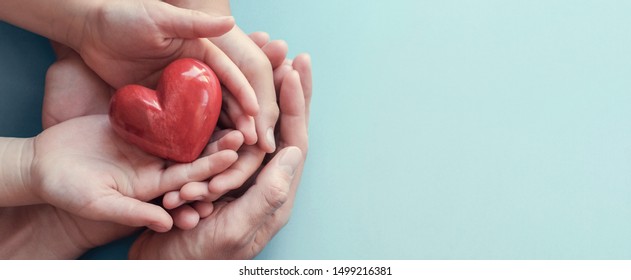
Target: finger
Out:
[276,52]
[258,70]
[185,217]
[195,191]
[177,22]
[250,159]
[224,140]
[260,38]
[199,170]
[279,75]
[172,200]
[227,72]
[302,64]
[128,211]
[204,209]
[293,128]
[269,193]
[242,121]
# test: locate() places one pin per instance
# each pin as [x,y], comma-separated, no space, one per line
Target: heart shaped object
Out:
[176,120]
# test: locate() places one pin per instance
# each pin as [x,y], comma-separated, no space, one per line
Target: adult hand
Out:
[239,228]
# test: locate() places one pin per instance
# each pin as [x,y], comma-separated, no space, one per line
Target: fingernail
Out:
[290,160]
[270,138]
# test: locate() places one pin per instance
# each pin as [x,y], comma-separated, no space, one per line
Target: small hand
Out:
[127,42]
[83,167]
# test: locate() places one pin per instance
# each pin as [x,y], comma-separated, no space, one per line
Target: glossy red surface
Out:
[176,120]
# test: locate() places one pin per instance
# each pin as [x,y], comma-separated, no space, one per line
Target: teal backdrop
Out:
[439,129]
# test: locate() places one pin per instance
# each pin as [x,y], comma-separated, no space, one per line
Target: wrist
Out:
[16,184]
[34,232]
[59,20]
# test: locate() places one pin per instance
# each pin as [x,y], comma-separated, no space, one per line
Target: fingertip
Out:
[227,20]
[303,58]
[247,127]
[162,222]
[292,78]
[236,138]
[231,156]
[204,209]
[260,38]
[185,217]
[270,140]
[290,158]
[172,200]
[280,73]
[253,109]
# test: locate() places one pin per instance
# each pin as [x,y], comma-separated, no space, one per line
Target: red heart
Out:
[176,120]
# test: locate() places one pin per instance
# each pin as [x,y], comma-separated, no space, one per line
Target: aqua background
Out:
[441,129]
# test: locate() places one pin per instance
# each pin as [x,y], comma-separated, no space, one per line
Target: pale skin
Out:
[257,65]
[251,59]
[126,42]
[83,167]
[254,64]
[254,218]
[145,72]
[70,80]
[239,227]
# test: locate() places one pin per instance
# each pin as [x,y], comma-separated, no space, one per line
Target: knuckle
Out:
[257,64]
[277,192]
[273,111]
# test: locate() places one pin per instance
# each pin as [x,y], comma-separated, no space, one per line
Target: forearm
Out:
[35,232]
[16,155]
[59,20]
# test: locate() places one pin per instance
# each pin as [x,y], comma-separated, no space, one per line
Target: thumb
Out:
[270,192]
[177,22]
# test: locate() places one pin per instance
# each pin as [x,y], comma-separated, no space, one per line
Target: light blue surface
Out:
[460,129]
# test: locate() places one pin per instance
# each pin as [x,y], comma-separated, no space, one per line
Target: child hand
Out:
[128,42]
[83,167]
[255,66]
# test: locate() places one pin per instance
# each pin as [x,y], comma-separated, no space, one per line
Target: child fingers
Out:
[242,121]
[201,169]
[224,140]
[250,158]
[259,38]
[276,52]
[228,73]
[279,75]
[172,200]
[185,217]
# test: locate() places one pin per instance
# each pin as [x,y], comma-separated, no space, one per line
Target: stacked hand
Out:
[231,201]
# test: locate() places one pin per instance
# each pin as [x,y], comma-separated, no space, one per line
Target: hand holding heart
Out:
[83,167]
